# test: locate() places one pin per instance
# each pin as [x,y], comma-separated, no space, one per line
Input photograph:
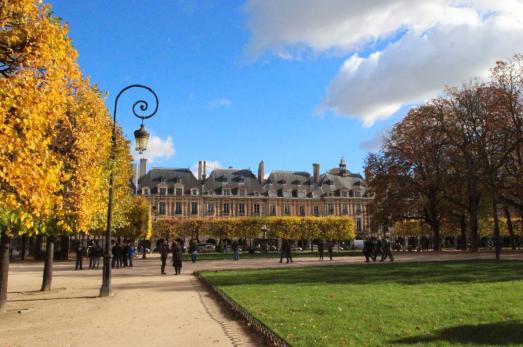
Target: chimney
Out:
[316,173]
[199,170]
[143,168]
[204,172]
[261,171]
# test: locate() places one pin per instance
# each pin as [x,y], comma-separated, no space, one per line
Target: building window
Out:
[194,208]
[243,192]
[194,191]
[357,194]
[256,209]
[225,208]
[161,208]
[344,209]
[241,209]
[358,209]
[344,193]
[272,193]
[162,191]
[178,208]
[146,191]
[179,191]
[358,225]
[287,210]
[272,210]
[287,194]
[316,210]
[330,208]
[302,210]
[210,208]
[227,192]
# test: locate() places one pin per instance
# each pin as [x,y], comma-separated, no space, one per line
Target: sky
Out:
[284,81]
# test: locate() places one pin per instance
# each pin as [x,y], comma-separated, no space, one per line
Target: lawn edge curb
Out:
[254,324]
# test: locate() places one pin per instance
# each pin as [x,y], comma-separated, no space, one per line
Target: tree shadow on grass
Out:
[501,334]
[484,271]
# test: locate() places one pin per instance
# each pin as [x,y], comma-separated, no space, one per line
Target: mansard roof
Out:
[170,177]
[232,179]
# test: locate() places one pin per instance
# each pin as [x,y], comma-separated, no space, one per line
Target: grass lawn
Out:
[424,304]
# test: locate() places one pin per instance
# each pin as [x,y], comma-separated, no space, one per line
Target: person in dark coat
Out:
[387,250]
[288,251]
[321,248]
[132,253]
[236,250]
[90,254]
[330,247]
[79,256]
[114,252]
[176,250]
[98,253]
[125,255]
[367,249]
[164,253]
[283,249]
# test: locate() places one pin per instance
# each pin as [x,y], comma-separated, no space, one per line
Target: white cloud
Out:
[220,103]
[209,167]
[376,141]
[443,42]
[156,149]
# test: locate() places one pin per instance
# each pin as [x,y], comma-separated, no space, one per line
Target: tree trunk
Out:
[48,267]
[474,237]
[463,230]
[510,227]
[24,246]
[436,240]
[4,270]
[497,236]
[143,249]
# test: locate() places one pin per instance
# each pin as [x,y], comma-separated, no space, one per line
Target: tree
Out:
[37,63]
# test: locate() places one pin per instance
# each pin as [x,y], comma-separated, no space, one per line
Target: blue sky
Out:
[235,88]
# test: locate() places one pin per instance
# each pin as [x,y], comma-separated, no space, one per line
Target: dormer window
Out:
[194,191]
[162,191]
[146,191]
[226,192]
[301,194]
[242,192]
[178,191]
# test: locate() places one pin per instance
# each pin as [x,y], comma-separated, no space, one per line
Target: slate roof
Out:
[233,179]
[170,177]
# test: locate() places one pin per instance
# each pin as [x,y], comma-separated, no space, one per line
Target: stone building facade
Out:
[177,193]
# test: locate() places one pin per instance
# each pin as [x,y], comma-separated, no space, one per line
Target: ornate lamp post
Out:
[141,137]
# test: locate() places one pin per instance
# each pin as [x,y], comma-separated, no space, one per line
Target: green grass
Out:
[424,304]
[228,256]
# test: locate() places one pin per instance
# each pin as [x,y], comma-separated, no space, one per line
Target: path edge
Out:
[270,337]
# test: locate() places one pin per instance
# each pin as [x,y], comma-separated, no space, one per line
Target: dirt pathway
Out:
[147,308]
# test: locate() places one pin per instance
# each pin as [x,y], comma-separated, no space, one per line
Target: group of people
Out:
[176,250]
[122,256]
[374,248]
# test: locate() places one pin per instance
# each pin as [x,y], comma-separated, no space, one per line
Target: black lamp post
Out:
[141,137]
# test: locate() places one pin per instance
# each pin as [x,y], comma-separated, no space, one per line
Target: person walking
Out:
[79,256]
[283,248]
[321,247]
[330,247]
[236,249]
[132,253]
[164,253]
[114,252]
[193,251]
[288,252]
[387,250]
[177,257]
[367,249]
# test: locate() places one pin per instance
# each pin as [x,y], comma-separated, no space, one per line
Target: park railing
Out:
[256,325]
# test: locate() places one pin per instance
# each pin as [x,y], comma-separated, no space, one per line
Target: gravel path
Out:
[147,308]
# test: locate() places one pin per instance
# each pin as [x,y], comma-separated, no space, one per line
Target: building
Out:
[177,193]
